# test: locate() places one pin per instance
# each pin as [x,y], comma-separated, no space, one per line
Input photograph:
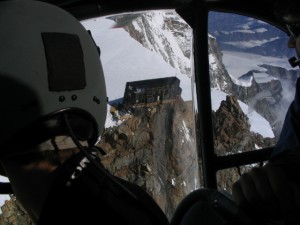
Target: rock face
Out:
[155,149]
[219,77]
[232,135]
[165,33]
[232,129]
[13,214]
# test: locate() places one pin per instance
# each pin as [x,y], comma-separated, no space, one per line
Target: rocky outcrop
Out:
[219,77]
[155,148]
[232,130]
[14,214]
[232,135]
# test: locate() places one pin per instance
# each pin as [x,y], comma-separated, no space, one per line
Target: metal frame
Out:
[211,163]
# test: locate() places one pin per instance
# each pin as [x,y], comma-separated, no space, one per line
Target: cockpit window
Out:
[150,136]
[251,79]
[252,83]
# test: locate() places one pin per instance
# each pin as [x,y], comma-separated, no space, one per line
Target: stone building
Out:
[153,91]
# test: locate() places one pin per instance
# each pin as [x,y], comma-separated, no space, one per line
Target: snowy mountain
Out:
[124,59]
[159,40]
[165,33]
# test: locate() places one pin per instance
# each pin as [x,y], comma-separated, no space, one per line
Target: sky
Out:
[124,59]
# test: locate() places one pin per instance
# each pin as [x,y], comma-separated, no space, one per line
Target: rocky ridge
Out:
[155,148]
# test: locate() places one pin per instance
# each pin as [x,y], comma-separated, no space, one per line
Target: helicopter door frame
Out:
[211,163]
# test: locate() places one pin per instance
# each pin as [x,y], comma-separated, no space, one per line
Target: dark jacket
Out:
[290,134]
[287,150]
[93,198]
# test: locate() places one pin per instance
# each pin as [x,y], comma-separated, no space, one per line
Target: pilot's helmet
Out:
[49,67]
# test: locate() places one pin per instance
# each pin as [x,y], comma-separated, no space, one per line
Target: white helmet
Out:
[49,65]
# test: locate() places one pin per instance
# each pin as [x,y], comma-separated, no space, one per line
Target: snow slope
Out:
[124,59]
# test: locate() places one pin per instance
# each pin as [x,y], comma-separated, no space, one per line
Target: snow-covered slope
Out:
[124,59]
[167,34]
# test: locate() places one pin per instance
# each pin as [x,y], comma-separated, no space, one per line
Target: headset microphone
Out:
[294,61]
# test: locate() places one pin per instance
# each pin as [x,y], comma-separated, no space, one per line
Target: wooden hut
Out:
[145,92]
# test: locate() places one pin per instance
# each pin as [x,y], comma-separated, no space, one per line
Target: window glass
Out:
[150,136]
[252,83]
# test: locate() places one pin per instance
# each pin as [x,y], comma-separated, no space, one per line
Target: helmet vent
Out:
[64,55]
